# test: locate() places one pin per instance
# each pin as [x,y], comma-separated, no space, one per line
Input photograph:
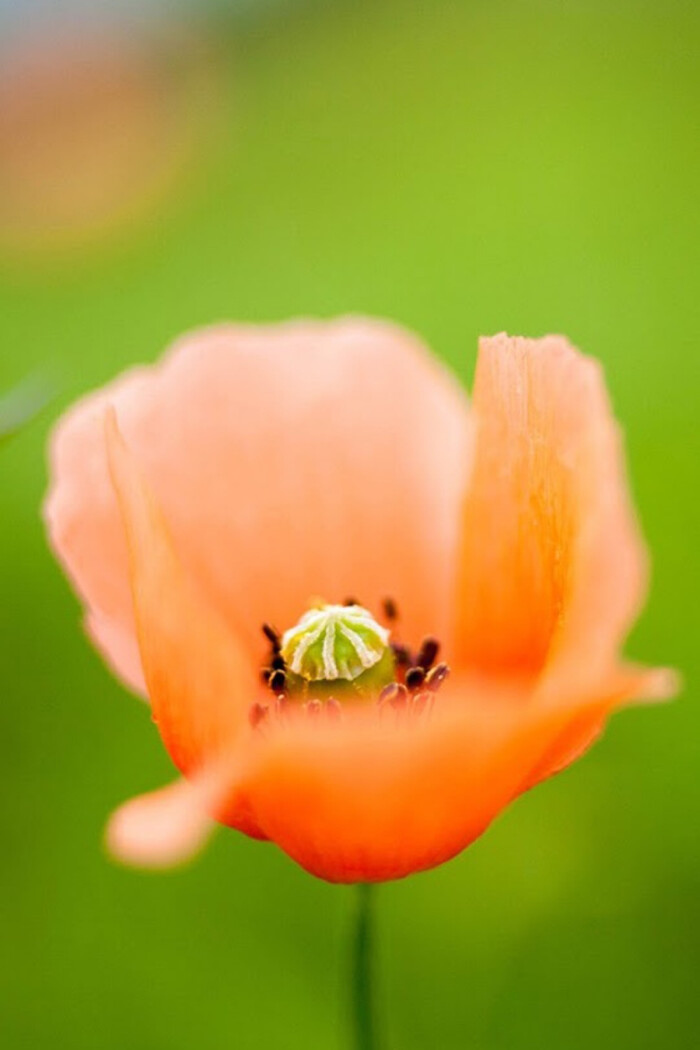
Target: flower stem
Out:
[363,997]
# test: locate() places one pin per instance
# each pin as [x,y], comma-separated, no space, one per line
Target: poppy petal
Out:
[291,461]
[553,569]
[119,648]
[371,798]
[627,685]
[376,798]
[164,827]
[199,679]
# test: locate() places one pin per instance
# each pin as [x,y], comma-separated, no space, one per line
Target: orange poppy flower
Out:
[196,500]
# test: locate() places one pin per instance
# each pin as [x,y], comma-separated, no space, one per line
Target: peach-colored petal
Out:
[119,647]
[295,460]
[167,826]
[199,679]
[553,569]
[626,685]
[377,798]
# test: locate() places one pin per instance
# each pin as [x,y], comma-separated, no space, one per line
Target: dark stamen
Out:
[421,702]
[272,636]
[388,692]
[390,610]
[427,653]
[402,654]
[277,681]
[265,675]
[277,663]
[351,601]
[257,714]
[394,693]
[398,700]
[436,677]
[415,676]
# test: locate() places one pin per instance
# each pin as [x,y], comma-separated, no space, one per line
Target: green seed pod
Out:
[337,650]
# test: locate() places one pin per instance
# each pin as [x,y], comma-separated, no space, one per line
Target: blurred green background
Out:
[462,168]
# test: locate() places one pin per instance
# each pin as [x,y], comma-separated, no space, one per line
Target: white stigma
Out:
[334,641]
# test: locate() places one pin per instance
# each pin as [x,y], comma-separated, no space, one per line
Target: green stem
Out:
[363,997]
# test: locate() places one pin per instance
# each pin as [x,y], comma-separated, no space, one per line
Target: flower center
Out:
[338,653]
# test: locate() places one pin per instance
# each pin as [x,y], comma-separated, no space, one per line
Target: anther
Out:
[272,636]
[415,676]
[436,677]
[400,697]
[389,692]
[391,612]
[402,655]
[421,701]
[394,694]
[277,681]
[427,653]
[257,714]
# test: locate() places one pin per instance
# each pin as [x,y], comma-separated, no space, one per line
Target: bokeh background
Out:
[462,167]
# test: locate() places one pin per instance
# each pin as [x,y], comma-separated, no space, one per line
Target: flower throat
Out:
[340,653]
